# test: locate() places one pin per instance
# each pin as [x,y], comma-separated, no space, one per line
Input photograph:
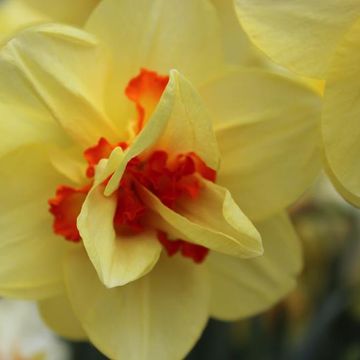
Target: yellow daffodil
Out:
[142,177]
[319,39]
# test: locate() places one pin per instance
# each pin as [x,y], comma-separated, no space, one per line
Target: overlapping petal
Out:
[267,130]
[62,73]
[68,11]
[238,49]
[213,220]
[59,316]
[180,111]
[159,316]
[341,111]
[117,259]
[242,288]
[15,15]
[301,35]
[30,253]
[161,35]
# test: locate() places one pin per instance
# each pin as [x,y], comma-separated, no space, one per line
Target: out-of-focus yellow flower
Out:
[17,14]
[156,210]
[24,336]
[319,39]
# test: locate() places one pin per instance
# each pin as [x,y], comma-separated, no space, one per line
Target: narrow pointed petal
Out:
[59,316]
[301,35]
[30,253]
[180,111]
[117,259]
[212,220]
[340,124]
[62,72]
[267,129]
[241,288]
[159,316]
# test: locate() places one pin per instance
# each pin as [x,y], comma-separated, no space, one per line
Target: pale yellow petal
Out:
[301,35]
[212,220]
[267,129]
[340,123]
[237,47]
[69,161]
[180,111]
[30,253]
[24,118]
[15,15]
[159,316]
[59,316]
[160,35]
[118,260]
[66,69]
[68,11]
[241,288]
[350,197]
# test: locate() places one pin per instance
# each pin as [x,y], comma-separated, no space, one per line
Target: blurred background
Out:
[320,319]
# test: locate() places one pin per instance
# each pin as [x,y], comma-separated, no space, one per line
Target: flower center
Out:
[169,178]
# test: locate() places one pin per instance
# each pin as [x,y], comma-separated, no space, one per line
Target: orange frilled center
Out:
[170,179]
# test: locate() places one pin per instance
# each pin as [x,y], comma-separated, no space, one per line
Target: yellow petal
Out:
[118,260]
[237,47]
[67,71]
[160,35]
[159,316]
[59,316]
[350,197]
[242,288]
[301,35]
[266,127]
[180,111]
[70,163]
[340,124]
[24,119]
[14,15]
[212,220]
[30,253]
[68,11]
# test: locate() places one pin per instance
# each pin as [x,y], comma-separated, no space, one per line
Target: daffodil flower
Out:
[139,173]
[318,39]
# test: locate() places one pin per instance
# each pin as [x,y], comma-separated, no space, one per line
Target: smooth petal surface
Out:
[242,288]
[63,70]
[212,220]
[30,253]
[267,129]
[180,111]
[157,317]
[160,35]
[301,35]
[350,197]
[24,117]
[68,11]
[59,316]
[340,123]
[237,47]
[14,15]
[118,260]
